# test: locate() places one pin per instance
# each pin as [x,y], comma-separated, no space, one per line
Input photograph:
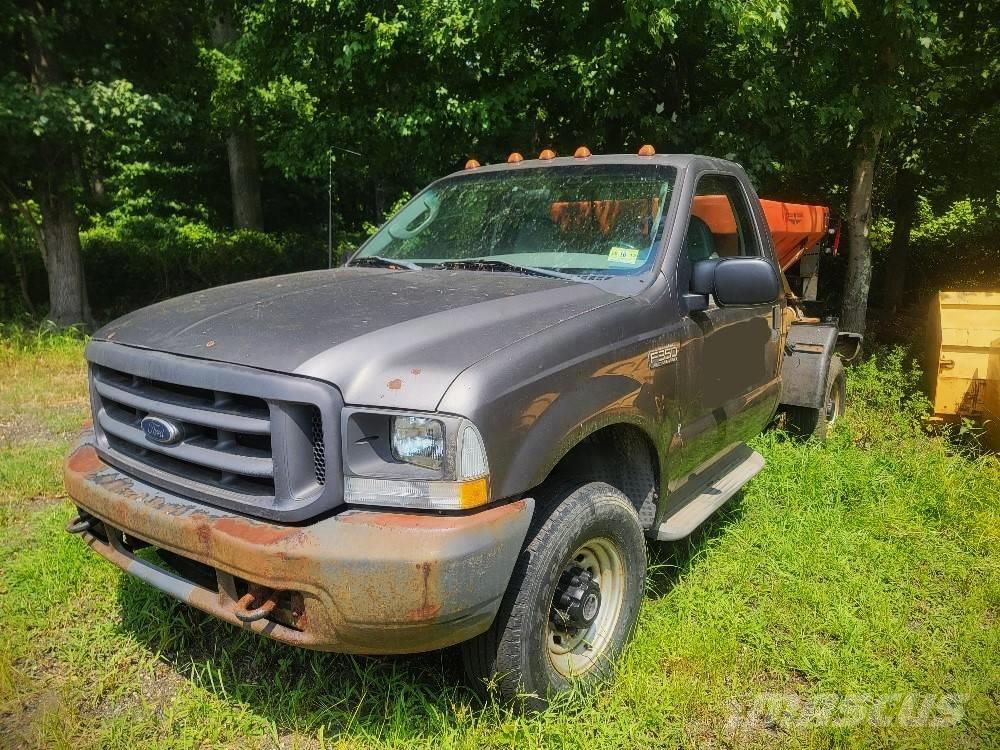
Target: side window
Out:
[720,225]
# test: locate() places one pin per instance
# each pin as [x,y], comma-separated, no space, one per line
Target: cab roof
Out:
[678,161]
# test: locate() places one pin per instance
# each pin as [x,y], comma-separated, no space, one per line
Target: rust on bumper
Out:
[376,582]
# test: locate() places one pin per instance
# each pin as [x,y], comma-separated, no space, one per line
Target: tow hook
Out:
[268,599]
[81,523]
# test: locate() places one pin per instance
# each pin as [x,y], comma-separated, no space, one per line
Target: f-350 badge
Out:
[664,356]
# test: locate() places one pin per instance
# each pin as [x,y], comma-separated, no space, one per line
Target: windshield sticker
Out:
[620,254]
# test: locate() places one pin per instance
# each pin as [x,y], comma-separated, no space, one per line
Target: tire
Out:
[534,650]
[807,422]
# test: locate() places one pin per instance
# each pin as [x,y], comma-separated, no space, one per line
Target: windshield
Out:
[581,220]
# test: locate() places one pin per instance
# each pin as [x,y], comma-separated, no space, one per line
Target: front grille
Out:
[225,437]
[255,441]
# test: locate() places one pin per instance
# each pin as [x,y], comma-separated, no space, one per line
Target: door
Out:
[732,361]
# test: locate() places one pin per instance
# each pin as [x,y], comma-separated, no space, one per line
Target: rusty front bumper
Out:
[363,581]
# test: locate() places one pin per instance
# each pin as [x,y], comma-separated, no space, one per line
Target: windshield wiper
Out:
[486,264]
[377,261]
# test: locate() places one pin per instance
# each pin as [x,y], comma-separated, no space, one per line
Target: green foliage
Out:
[957,248]
[889,384]
[20,338]
[954,247]
[141,260]
[394,95]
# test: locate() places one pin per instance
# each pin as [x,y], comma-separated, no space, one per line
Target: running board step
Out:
[709,497]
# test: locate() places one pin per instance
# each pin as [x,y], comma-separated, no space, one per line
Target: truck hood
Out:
[385,338]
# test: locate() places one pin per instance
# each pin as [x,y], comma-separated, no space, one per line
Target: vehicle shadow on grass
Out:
[292,689]
[298,691]
[669,561]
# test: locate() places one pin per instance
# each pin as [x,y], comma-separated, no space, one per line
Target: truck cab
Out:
[467,434]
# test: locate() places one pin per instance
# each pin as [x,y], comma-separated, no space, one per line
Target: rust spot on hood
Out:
[416,371]
[394,384]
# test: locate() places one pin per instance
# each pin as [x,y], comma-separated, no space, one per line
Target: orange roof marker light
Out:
[647,150]
[582,153]
[515,158]
[472,164]
[547,154]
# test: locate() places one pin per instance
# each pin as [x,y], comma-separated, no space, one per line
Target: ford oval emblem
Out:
[160,430]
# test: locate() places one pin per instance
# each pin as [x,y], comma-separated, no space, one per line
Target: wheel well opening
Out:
[621,455]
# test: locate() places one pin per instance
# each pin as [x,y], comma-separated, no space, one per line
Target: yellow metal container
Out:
[964,366]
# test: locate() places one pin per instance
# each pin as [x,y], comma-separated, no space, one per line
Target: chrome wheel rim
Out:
[574,651]
[833,405]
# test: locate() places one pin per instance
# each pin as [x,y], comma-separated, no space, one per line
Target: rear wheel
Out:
[572,601]
[808,422]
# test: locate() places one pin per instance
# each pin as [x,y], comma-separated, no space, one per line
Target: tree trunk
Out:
[859,262]
[67,293]
[52,183]
[905,209]
[241,145]
[244,180]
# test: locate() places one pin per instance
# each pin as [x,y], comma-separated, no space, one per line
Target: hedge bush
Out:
[141,260]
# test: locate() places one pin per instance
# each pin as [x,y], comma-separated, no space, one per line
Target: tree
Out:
[952,134]
[65,88]
[904,212]
[832,101]
[231,111]
[907,49]
[43,93]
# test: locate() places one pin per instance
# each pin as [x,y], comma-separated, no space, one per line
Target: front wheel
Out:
[572,601]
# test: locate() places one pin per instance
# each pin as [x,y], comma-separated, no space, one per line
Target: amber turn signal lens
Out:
[471,164]
[474,493]
[647,150]
[547,154]
[515,158]
[582,153]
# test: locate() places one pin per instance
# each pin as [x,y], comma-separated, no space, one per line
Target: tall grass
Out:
[865,566]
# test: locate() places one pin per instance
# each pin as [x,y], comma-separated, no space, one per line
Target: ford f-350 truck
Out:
[468,432]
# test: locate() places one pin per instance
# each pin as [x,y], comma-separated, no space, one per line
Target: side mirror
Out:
[736,282]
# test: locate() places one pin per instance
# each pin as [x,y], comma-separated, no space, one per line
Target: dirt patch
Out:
[22,429]
[27,427]
[20,719]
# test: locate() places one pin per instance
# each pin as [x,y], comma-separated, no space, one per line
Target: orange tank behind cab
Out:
[795,227]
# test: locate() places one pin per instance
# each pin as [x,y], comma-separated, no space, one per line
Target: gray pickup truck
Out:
[468,432]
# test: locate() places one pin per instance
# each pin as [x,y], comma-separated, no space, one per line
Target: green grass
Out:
[866,566]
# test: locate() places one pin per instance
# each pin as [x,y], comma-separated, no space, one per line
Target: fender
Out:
[808,350]
[561,429]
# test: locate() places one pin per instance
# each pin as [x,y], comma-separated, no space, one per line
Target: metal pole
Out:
[329,200]
[329,211]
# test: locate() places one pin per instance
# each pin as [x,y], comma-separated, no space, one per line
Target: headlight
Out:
[413,461]
[419,441]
